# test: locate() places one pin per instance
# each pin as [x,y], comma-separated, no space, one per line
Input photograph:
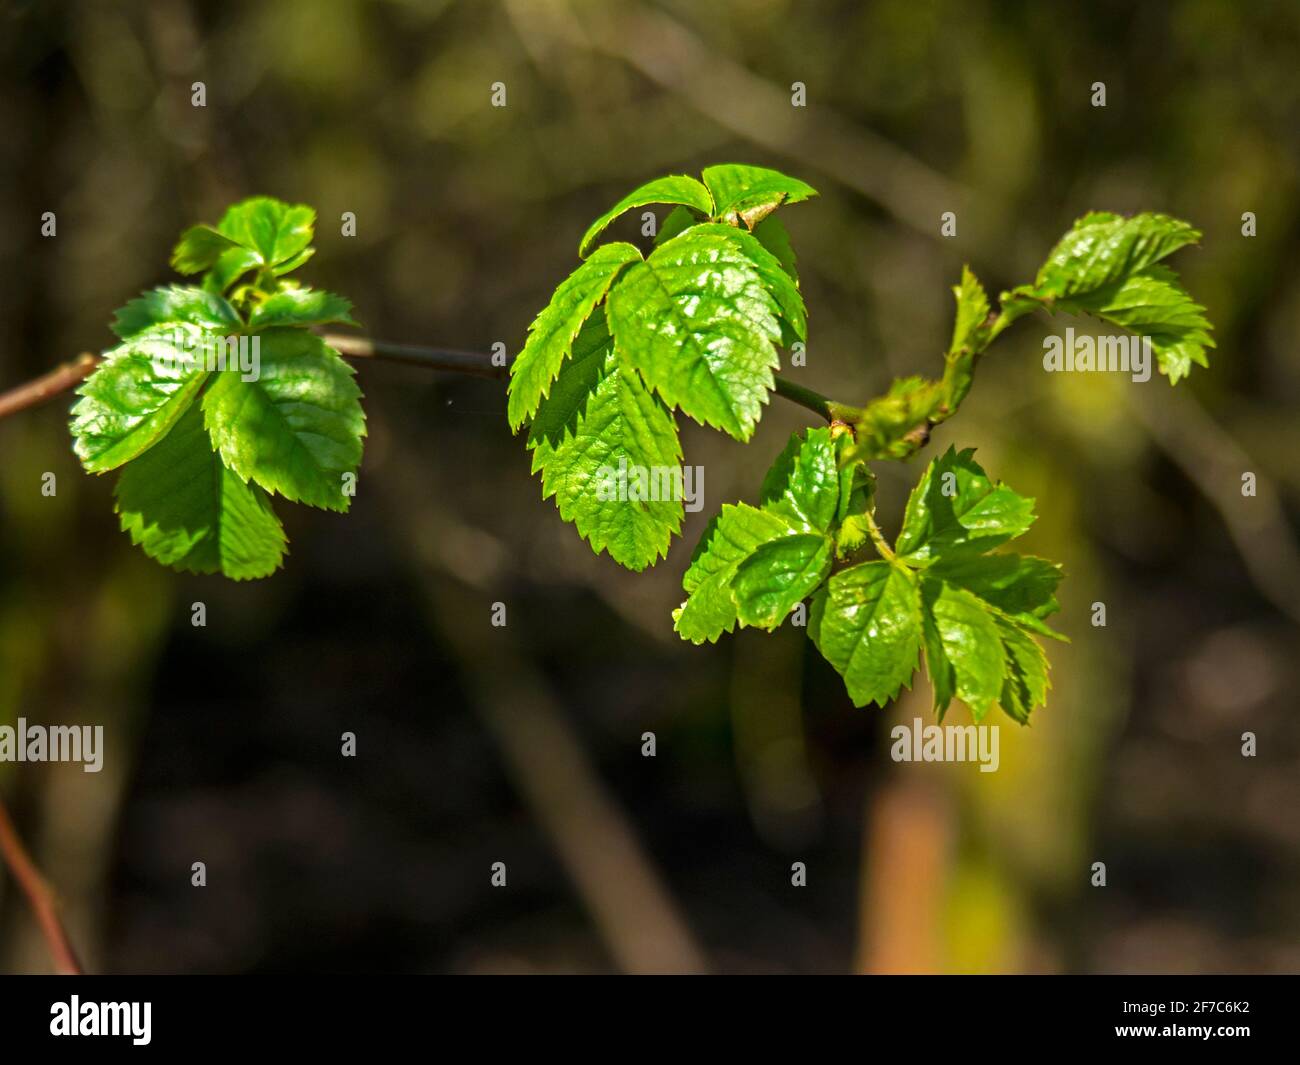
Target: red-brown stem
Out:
[39,896]
[49,385]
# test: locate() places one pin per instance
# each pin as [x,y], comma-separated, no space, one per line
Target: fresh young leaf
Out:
[293,262]
[735,534]
[1026,683]
[779,574]
[598,439]
[230,266]
[698,322]
[551,336]
[1020,586]
[276,231]
[968,332]
[258,233]
[175,303]
[297,429]
[1153,303]
[970,641]
[180,504]
[884,427]
[1107,266]
[138,392]
[979,611]
[749,194]
[295,305]
[772,234]
[199,248]
[678,189]
[777,281]
[955,505]
[678,221]
[1103,249]
[755,565]
[867,624]
[803,484]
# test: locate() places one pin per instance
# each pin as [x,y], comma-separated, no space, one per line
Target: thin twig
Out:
[474,363]
[46,387]
[39,896]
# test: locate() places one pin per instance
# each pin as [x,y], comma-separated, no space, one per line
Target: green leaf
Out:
[1020,586]
[943,679]
[230,266]
[772,234]
[955,506]
[295,305]
[735,534]
[258,233]
[678,189]
[803,484]
[276,231]
[138,392]
[296,430]
[779,574]
[979,611]
[678,221]
[867,624]
[1102,249]
[749,194]
[970,641]
[1107,266]
[778,282]
[698,322]
[1026,683]
[199,248]
[175,303]
[1153,303]
[551,336]
[599,427]
[968,332]
[183,507]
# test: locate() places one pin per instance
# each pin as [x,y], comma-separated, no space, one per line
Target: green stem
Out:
[813,401]
[878,537]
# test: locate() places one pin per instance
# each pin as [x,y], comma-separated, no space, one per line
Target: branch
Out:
[36,392]
[467,362]
[474,363]
[813,401]
[38,895]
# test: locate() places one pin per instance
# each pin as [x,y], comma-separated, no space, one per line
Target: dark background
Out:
[479,744]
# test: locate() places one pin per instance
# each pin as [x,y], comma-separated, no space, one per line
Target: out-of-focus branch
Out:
[39,896]
[1214,462]
[674,58]
[629,902]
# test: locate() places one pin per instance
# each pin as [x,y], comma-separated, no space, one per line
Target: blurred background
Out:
[523,744]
